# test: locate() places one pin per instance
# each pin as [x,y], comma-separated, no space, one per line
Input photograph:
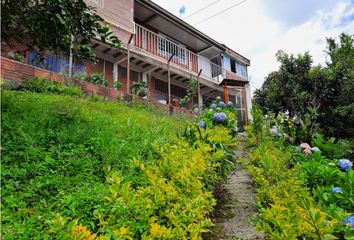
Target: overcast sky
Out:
[257,29]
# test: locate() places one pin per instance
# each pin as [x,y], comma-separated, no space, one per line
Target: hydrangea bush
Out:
[219,113]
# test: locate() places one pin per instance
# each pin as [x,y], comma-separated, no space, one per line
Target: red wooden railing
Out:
[164,48]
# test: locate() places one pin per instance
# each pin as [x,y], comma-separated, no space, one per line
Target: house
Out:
[165,52]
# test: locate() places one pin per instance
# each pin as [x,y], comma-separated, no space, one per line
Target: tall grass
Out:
[57,151]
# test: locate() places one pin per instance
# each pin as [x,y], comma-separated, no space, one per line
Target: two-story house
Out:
[165,52]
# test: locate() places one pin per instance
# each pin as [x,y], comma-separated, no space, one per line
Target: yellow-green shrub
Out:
[287,211]
[171,202]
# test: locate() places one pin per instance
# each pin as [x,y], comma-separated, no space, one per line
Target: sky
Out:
[257,29]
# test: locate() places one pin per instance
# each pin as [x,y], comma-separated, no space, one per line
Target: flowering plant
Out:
[337,190]
[345,164]
[220,117]
[349,221]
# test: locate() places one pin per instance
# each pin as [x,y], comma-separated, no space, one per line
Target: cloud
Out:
[308,36]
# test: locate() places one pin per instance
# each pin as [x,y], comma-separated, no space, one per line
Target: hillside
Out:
[58,150]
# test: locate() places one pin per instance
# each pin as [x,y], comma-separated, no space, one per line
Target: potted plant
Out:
[118,85]
[175,102]
[140,89]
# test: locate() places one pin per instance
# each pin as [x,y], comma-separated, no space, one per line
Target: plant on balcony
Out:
[95,78]
[140,89]
[192,92]
[118,85]
[175,102]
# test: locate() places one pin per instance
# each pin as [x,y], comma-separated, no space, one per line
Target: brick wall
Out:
[13,70]
[90,88]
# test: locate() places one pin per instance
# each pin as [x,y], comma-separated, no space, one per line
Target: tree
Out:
[54,25]
[321,95]
[339,119]
[285,90]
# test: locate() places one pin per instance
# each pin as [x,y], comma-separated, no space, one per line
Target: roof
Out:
[178,21]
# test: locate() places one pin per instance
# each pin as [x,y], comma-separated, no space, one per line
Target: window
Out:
[241,69]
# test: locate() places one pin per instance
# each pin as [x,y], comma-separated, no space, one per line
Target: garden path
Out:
[235,203]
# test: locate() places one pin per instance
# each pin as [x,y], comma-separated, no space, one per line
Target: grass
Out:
[58,150]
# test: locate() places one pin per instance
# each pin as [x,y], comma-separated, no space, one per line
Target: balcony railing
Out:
[164,48]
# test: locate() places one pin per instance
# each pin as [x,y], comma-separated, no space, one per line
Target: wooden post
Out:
[226,94]
[200,103]
[128,64]
[169,80]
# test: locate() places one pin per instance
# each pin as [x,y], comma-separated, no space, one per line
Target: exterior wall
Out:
[103,66]
[13,70]
[118,13]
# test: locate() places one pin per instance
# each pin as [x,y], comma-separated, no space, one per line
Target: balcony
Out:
[165,48]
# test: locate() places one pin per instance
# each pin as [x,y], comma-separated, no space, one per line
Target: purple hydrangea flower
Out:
[337,190]
[349,221]
[220,117]
[345,164]
[213,106]
[230,104]
[202,124]
[218,98]
[222,104]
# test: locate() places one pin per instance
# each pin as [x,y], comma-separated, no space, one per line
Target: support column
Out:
[226,94]
[115,72]
[169,81]
[200,98]
[128,64]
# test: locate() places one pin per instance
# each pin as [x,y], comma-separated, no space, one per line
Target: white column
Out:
[115,72]
[248,100]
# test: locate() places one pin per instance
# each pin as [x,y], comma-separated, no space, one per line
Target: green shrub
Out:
[58,150]
[42,85]
[78,169]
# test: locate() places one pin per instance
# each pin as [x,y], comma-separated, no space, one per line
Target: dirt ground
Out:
[235,204]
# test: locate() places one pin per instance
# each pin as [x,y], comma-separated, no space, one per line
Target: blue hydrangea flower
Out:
[298,149]
[213,106]
[202,124]
[218,98]
[230,104]
[349,221]
[223,116]
[220,117]
[337,190]
[345,164]
[278,135]
[222,104]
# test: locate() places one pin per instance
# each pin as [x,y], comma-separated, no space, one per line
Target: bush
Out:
[41,85]
[300,196]
[95,78]
[77,169]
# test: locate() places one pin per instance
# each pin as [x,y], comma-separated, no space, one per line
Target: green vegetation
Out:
[54,25]
[76,168]
[317,96]
[301,193]
[57,152]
